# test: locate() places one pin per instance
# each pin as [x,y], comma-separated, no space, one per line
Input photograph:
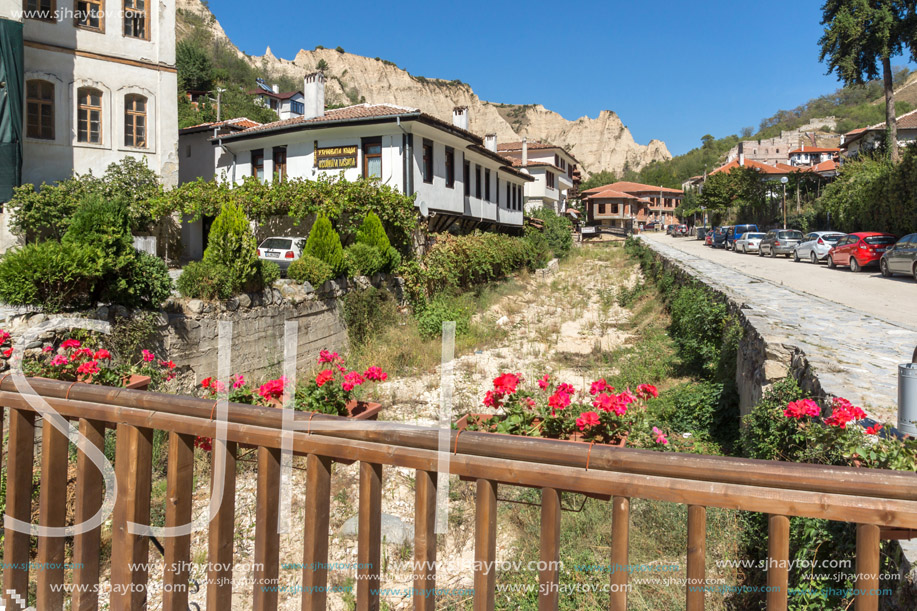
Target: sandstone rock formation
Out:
[602,143]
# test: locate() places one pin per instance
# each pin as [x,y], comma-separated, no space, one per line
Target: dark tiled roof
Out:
[513,147]
[240,123]
[271,94]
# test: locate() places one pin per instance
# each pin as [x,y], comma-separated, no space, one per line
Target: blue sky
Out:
[671,69]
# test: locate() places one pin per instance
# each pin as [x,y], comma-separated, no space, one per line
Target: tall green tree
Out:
[861,37]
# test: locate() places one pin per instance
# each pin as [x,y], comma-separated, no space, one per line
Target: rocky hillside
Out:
[602,143]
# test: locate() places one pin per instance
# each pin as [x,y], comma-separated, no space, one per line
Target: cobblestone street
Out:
[855,354]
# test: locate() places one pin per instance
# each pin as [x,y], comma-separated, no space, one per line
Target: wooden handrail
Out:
[877,501]
[720,469]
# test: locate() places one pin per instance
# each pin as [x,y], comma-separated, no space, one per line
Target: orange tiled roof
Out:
[513,147]
[611,194]
[761,167]
[237,123]
[635,187]
[517,163]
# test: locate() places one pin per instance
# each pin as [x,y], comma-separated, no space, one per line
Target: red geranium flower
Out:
[205,383]
[167,364]
[8,353]
[273,389]
[604,402]
[559,400]
[599,386]
[874,429]
[645,391]
[70,343]
[543,382]
[801,408]
[101,354]
[492,399]
[148,356]
[204,443]
[351,379]
[587,419]
[82,352]
[328,357]
[325,376]
[375,374]
[89,367]
[506,383]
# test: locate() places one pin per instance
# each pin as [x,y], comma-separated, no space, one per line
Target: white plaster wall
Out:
[196,159]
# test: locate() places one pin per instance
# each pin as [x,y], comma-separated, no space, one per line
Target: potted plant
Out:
[332,390]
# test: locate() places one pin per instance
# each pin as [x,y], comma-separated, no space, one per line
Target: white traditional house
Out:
[458,180]
[808,156]
[287,105]
[552,167]
[870,138]
[98,84]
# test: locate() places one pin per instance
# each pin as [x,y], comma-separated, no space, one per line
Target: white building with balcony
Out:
[808,156]
[553,169]
[453,174]
[287,105]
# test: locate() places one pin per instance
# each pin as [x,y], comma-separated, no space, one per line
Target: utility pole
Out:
[220,90]
[784,180]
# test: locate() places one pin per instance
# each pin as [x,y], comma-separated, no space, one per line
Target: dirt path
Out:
[555,323]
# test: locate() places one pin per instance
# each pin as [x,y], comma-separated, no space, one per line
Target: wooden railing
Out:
[872,499]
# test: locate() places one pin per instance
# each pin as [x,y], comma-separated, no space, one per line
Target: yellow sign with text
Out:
[336,157]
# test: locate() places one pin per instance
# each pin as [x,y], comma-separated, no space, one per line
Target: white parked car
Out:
[281,250]
[815,245]
[749,242]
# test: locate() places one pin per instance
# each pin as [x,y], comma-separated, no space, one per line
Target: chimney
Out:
[460,117]
[314,95]
[741,153]
[525,151]
[275,88]
[490,142]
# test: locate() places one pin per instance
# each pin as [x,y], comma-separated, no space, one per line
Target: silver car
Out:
[815,246]
[749,242]
[779,242]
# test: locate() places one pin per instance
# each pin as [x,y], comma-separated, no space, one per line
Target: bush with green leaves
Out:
[361,259]
[205,280]
[309,269]
[557,232]
[368,313]
[148,282]
[441,309]
[231,245]
[51,275]
[324,244]
[372,233]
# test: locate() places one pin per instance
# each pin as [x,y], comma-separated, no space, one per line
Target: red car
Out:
[860,249]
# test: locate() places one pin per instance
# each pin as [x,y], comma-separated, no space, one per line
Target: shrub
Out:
[698,324]
[231,244]
[391,258]
[205,280]
[309,269]
[269,272]
[367,313]
[324,244]
[103,224]
[363,260]
[444,308]
[557,231]
[372,233]
[148,282]
[51,275]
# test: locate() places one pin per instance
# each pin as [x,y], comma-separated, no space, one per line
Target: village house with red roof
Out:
[629,204]
[870,138]
[553,168]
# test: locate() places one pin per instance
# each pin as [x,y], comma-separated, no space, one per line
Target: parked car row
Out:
[856,250]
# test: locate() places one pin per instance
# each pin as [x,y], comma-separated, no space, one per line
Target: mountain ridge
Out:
[600,144]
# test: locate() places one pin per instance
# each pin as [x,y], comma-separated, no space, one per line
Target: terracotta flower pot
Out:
[137,382]
[363,410]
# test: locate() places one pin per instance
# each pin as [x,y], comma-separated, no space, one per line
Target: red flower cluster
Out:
[586,420]
[88,368]
[70,343]
[802,408]
[600,386]
[874,429]
[843,412]
[645,391]
[204,443]
[148,356]
[273,389]
[328,357]
[561,398]
[504,385]
[324,376]
[375,374]
[3,337]
[608,402]
[543,383]
[352,379]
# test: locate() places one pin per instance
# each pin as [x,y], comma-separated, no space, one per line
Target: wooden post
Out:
[424,540]
[52,511]
[267,539]
[369,543]
[222,526]
[129,551]
[179,493]
[867,567]
[86,546]
[315,543]
[485,545]
[778,558]
[620,535]
[20,454]
[697,550]
[548,572]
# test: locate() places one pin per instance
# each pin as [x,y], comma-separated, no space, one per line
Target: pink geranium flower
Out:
[599,386]
[351,380]
[543,383]
[660,436]
[238,381]
[375,374]
[328,357]
[148,356]
[801,408]
[59,360]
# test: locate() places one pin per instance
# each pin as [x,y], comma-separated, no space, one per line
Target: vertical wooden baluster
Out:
[697,551]
[778,556]
[52,511]
[369,543]
[220,536]
[315,544]
[20,454]
[130,552]
[424,540]
[86,546]
[867,567]
[179,494]
[550,550]
[620,538]
[267,539]
[485,545]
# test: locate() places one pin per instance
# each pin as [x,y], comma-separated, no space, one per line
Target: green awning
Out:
[11,97]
